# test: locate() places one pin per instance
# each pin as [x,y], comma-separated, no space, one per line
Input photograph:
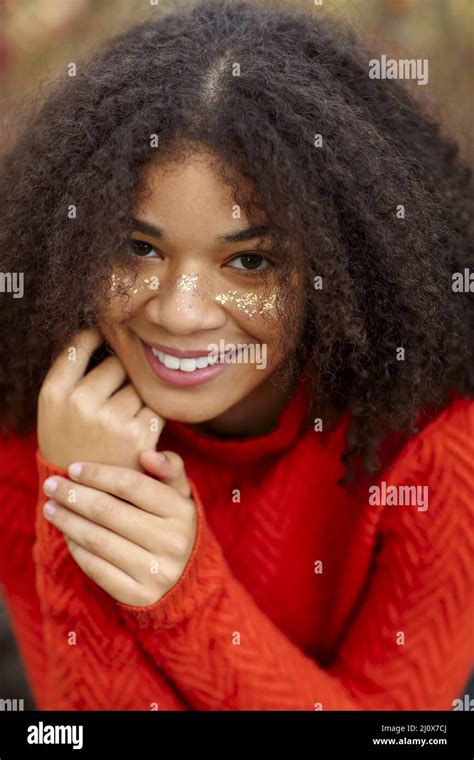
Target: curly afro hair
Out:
[255,85]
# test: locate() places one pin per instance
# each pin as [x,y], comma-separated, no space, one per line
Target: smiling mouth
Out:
[187,364]
[193,363]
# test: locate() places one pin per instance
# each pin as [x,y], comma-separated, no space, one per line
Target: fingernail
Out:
[161,456]
[50,485]
[75,469]
[49,508]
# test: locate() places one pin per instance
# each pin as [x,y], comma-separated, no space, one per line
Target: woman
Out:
[237,390]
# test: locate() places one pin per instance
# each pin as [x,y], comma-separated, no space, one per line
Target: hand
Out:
[129,533]
[97,416]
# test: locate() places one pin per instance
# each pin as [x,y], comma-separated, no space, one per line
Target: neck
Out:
[256,414]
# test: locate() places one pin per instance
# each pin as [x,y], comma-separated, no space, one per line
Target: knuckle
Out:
[48,393]
[107,417]
[78,401]
[170,574]
[96,540]
[102,509]
[178,545]
[142,434]
[136,427]
[145,597]
[128,482]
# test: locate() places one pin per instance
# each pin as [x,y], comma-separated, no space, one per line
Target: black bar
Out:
[312,734]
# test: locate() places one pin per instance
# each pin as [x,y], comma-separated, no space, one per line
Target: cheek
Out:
[123,302]
[267,342]
[254,311]
[246,303]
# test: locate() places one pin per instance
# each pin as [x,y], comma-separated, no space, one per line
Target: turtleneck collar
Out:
[280,437]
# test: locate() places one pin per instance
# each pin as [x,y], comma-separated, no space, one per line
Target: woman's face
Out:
[201,292]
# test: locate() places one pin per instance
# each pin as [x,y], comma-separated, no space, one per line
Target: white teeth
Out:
[172,362]
[185,365]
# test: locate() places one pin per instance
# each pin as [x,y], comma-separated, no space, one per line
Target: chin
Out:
[190,412]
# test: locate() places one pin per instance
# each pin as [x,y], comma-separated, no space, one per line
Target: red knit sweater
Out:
[298,595]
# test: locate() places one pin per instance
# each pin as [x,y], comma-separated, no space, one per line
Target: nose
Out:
[185,306]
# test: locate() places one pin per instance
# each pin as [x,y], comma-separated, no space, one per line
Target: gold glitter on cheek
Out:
[120,286]
[250,303]
[152,283]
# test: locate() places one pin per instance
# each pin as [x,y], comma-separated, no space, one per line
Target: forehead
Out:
[190,201]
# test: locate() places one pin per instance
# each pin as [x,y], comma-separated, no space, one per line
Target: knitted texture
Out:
[298,594]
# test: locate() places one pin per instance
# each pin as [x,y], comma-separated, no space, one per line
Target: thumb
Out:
[169,468]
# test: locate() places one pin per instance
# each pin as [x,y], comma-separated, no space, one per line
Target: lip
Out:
[178,377]
[177,352]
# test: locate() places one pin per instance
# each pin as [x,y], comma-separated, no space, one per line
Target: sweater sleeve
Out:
[103,676]
[409,644]
[17,510]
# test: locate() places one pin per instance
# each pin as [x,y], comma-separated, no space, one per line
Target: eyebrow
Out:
[239,236]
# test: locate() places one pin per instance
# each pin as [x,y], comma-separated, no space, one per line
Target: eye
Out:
[252,262]
[143,249]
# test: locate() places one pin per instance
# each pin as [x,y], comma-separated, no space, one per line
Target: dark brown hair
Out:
[386,280]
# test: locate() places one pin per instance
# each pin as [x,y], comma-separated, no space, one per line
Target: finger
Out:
[126,402]
[110,578]
[119,551]
[169,470]
[129,485]
[103,380]
[71,364]
[151,532]
[103,509]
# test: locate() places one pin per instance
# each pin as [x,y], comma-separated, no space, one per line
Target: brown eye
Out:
[251,262]
[142,249]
